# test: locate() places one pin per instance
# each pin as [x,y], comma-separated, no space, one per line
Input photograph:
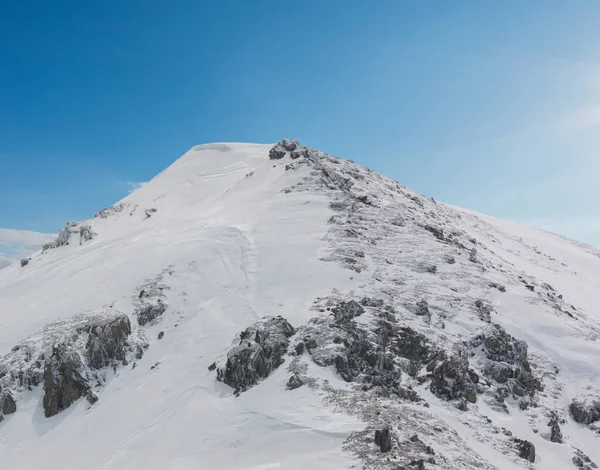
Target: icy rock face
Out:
[63,380]
[357,353]
[150,312]
[106,341]
[506,360]
[260,351]
[67,357]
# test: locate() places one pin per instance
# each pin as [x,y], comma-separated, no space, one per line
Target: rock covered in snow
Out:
[586,412]
[63,380]
[259,352]
[106,341]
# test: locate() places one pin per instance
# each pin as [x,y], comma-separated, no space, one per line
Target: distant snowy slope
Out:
[262,307]
[17,244]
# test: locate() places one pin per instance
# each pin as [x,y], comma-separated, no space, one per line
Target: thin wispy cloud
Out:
[135,185]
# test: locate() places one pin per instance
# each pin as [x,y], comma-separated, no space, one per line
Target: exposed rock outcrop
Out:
[260,351]
[383,438]
[106,341]
[63,380]
[525,449]
[8,404]
[585,412]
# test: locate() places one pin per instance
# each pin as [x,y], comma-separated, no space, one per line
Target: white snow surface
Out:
[233,236]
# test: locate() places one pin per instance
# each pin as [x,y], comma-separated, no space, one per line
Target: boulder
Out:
[150,312]
[383,438]
[526,450]
[8,404]
[260,351]
[555,431]
[584,412]
[450,378]
[347,310]
[63,380]
[294,382]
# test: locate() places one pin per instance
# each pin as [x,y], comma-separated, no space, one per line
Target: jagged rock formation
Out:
[261,349]
[63,380]
[585,412]
[66,358]
[106,341]
[526,450]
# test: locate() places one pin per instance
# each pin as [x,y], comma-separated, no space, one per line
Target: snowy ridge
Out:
[464,341]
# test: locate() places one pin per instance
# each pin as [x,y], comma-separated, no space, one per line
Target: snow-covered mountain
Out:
[260,307]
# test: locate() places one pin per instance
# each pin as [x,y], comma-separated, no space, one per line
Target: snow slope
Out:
[228,236]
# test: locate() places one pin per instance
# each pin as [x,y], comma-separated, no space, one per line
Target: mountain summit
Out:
[275,307]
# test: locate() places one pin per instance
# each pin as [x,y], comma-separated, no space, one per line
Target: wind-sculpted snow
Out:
[380,329]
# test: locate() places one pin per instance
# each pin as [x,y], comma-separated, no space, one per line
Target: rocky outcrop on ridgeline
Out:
[108,211]
[65,235]
[68,359]
[260,351]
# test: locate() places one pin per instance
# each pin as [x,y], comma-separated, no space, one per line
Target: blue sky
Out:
[494,106]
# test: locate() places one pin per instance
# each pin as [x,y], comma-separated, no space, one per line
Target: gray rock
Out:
[277,152]
[383,438]
[437,232]
[259,352]
[473,256]
[347,310]
[449,259]
[63,381]
[555,431]
[25,262]
[582,461]
[8,404]
[450,378]
[499,371]
[91,397]
[412,345]
[422,308]
[484,310]
[161,335]
[86,234]
[294,382]
[584,412]
[106,341]
[150,312]
[526,450]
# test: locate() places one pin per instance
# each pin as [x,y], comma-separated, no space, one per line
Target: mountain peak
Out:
[263,306]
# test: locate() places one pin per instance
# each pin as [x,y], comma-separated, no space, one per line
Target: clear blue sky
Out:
[493,106]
